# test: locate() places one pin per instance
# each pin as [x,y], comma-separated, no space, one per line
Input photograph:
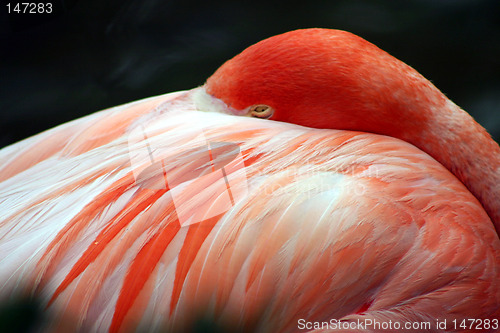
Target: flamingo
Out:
[312,179]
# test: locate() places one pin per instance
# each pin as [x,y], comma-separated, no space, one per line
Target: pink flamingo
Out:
[371,199]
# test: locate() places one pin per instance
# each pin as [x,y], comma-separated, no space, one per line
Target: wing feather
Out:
[150,214]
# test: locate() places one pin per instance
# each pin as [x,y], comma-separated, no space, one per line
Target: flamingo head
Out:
[333,79]
[325,78]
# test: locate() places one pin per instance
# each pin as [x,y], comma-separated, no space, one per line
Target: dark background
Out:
[89,55]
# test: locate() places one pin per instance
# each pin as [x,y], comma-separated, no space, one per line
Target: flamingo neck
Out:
[332,79]
[419,113]
[464,147]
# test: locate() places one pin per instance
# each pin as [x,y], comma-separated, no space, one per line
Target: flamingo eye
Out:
[260,111]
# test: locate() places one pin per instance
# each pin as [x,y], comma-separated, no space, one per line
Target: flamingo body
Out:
[157,213]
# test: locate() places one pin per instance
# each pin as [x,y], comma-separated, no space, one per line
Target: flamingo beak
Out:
[208,103]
